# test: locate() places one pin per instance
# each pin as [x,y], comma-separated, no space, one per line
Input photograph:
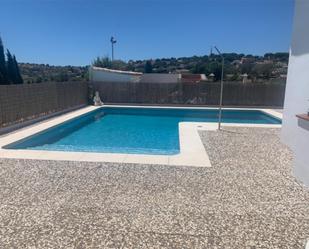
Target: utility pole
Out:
[113,41]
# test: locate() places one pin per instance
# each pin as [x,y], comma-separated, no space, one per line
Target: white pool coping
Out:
[192,150]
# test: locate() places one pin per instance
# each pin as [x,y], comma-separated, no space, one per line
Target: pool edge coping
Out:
[192,151]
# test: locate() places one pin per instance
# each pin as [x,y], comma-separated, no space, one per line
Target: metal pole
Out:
[112,50]
[221,90]
[113,41]
[221,96]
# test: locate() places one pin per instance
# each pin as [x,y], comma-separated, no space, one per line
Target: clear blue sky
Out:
[63,32]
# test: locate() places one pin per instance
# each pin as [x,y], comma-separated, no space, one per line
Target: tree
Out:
[38,80]
[10,68]
[277,56]
[246,68]
[263,70]
[104,62]
[200,68]
[18,78]
[119,65]
[3,77]
[215,68]
[64,77]
[148,67]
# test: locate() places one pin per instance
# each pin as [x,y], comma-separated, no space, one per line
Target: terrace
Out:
[247,199]
[66,184]
[229,188]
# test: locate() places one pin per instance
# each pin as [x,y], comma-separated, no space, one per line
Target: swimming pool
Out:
[131,130]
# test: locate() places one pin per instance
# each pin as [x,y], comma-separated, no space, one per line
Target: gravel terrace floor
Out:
[248,199]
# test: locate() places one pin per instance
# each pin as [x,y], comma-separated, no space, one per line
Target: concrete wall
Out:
[160,78]
[107,75]
[295,132]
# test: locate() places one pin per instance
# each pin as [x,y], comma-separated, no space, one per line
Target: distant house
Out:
[263,62]
[193,78]
[181,71]
[247,60]
[236,63]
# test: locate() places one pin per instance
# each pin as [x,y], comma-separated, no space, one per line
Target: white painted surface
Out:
[295,133]
[108,75]
[160,78]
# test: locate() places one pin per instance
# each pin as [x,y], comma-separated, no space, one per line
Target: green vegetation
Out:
[9,69]
[148,67]
[257,68]
[3,76]
[106,62]
[38,73]
[237,66]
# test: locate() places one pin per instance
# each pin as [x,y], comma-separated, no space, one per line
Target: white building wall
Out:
[108,75]
[295,132]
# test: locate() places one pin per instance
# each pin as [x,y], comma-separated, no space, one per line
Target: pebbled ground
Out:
[248,199]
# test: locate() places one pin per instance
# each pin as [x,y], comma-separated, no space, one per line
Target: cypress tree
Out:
[10,68]
[18,78]
[3,74]
[148,67]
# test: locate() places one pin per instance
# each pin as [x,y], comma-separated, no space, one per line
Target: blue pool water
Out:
[131,130]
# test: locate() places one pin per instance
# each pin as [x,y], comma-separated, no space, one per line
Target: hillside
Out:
[258,68]
[37,73]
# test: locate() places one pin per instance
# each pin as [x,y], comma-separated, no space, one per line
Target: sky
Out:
[74,32]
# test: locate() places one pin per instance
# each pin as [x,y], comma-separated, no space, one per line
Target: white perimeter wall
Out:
[295,132]
[101,75]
